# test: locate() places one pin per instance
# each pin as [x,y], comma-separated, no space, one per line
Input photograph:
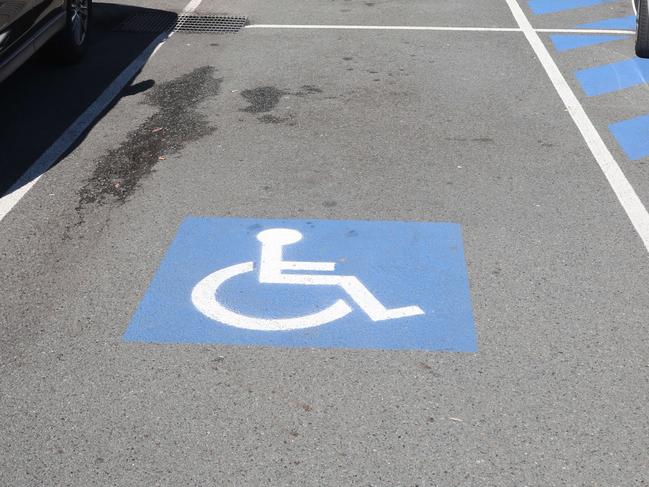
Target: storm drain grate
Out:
[195,24]
[184,23]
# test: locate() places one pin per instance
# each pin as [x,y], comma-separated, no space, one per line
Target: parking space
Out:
[347,133]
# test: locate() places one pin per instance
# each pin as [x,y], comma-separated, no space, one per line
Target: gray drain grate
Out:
[195,24]
[184,23]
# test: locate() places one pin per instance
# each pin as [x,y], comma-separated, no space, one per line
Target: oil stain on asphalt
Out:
[265,99]
[262,99]
[176,123]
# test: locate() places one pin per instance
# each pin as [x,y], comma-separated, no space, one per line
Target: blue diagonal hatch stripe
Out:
[616,23]
[613,77]
[566,42]
[633,136]
[551,6]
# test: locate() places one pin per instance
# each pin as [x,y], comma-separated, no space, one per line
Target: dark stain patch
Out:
[351,233]
[350,69]
[329,204]
[164,133]
[293,433]
[347,58]
[370,4]
[372,71]
[214,44]
[266,98]
[307,90]
[273,119]
[484,140]
[262,99]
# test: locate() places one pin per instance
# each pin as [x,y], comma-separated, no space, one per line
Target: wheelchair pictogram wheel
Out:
[205,299]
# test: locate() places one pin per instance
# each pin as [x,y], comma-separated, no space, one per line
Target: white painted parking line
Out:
[586,31]
[191,6]
[625,193]
[381,27]
[30,177]
[433,28]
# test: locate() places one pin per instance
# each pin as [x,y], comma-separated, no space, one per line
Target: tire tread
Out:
[642,32]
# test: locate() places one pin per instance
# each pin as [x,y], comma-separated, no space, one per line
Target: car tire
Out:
[642,31]
[70,44]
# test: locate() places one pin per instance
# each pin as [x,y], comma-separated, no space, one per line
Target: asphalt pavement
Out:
[279,122]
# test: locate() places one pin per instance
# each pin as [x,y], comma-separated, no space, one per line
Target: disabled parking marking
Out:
[612,77]
[552,6]
[271,271]
[567,42]
[316,283]
[633,136]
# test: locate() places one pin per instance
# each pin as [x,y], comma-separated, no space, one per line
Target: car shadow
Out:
[42,99]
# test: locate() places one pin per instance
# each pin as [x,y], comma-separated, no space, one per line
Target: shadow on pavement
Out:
[42,99]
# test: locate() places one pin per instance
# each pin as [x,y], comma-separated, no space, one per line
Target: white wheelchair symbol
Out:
[271,271]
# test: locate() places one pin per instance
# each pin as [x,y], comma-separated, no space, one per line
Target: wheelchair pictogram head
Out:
[279,236]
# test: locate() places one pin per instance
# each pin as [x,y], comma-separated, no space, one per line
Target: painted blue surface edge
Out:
[632,136]
[540,7]
[567,42]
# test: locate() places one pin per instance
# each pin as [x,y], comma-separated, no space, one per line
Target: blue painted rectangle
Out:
[401,263]
[566,42]
[613,77]
[633,136]
[622,23]
[551,6]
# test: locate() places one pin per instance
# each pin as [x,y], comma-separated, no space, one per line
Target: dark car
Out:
[61,26]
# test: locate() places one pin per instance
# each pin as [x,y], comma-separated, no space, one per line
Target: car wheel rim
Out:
[79,20]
